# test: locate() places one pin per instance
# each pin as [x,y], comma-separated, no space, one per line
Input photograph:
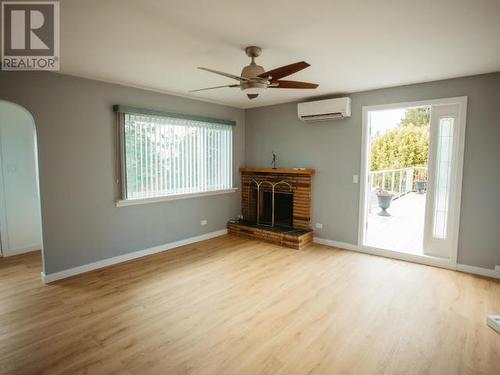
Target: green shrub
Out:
[405,146]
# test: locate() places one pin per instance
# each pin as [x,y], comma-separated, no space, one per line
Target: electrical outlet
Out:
[319,225]
[203,222]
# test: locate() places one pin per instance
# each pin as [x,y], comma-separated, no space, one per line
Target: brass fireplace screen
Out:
[280,211]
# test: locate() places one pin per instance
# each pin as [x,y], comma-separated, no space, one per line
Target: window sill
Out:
[132,202]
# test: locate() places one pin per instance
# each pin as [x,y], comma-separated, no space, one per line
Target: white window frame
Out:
[121,168]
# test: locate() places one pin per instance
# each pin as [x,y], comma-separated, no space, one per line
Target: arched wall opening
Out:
[20,207]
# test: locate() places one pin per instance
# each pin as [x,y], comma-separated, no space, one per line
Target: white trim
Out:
[420,259]
[462,102]
[21,250]
[132,202]
[48,278]
[363,176]
[414,258]
[331,243]
[462,107]
[479,270]
[4,233]
[418,103]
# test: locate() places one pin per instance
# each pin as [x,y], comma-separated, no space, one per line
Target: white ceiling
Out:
[351,45]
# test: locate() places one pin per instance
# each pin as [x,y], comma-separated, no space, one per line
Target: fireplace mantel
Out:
[278,171]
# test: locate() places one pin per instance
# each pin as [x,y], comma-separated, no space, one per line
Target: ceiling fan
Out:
[254,79]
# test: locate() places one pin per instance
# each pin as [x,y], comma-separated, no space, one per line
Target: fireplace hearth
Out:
[276,206]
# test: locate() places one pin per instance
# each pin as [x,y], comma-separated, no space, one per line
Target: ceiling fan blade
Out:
[215,87]
[284,71]
[252,96]
[292,85]
[238,78]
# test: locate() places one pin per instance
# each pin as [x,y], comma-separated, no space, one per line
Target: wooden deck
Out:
[403,230]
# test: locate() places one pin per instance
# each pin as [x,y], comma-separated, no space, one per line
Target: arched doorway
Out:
[20,213]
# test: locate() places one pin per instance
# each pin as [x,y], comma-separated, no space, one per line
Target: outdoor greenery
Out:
[417,116]
[405,146]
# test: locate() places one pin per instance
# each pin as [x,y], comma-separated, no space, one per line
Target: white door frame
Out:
[425,259]
[4,240]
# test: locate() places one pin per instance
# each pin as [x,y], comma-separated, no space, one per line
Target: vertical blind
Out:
[168,156]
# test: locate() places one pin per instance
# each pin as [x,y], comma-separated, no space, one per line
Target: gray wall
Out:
[77,165]
[333,149]
[76,137]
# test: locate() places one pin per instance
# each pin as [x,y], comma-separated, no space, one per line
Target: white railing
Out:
[400,181]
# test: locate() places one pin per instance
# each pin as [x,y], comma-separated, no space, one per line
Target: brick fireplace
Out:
[276,206]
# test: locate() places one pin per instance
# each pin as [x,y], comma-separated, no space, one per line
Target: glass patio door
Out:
[442,201]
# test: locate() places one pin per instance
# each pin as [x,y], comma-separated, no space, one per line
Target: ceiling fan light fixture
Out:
[253,87]
[254,90]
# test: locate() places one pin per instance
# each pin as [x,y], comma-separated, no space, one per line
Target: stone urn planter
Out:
[384,198]
[420,186]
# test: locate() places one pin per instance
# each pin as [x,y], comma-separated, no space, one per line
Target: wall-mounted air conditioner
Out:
[322,110]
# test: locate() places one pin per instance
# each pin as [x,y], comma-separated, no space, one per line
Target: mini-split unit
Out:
[323,110]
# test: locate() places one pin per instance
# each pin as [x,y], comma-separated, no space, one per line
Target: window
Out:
[168,156]
[443,176]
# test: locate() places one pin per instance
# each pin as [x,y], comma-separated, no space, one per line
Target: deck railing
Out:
[400,181]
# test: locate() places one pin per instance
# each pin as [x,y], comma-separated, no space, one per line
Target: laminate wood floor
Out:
[236,306]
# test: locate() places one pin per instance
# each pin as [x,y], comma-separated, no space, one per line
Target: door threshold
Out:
[428,260]
[414,258]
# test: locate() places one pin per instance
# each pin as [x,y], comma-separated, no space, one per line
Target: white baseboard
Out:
[331,243]
[480,270]
[48,278]
[20,250]
[421,259]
